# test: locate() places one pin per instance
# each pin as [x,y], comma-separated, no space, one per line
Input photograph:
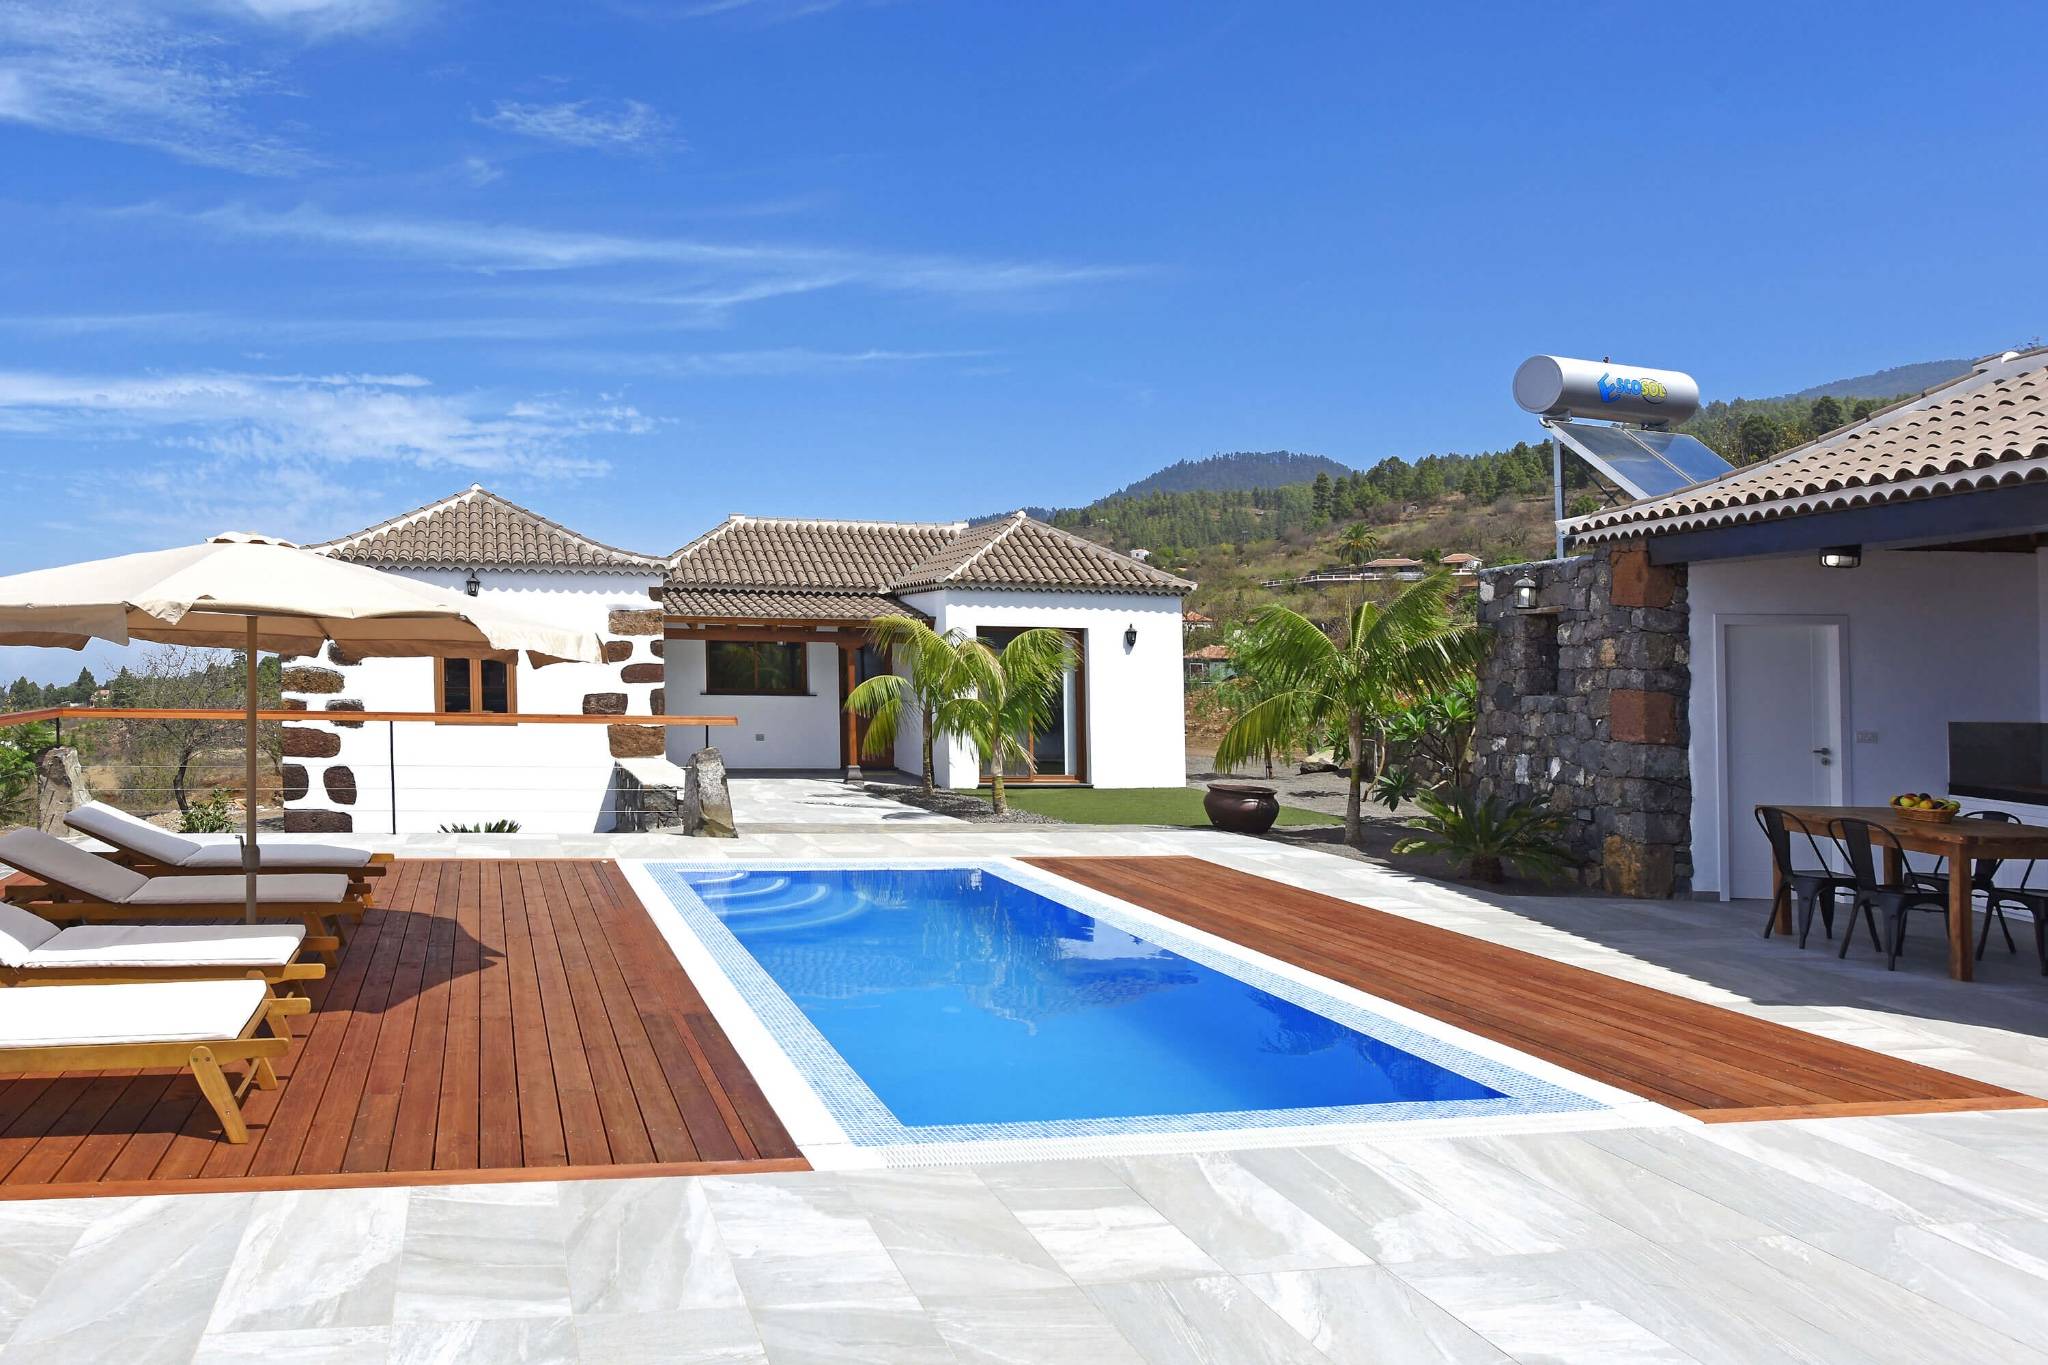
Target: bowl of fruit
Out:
[1935,810]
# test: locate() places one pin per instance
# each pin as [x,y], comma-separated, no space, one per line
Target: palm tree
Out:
[935,674]
[1007,697]
[1391,652]
[1358,545]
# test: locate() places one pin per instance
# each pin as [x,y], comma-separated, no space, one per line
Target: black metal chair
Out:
[2035,899]
[1862,841]
[1983,882]
[1812,887]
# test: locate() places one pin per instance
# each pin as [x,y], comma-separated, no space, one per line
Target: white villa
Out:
[759,619]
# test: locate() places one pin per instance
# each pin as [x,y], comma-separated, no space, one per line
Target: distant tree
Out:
[1825,415]
[180,677]
[1322,496]
[1757,437]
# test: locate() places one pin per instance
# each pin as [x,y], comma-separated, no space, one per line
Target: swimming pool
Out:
[980,1002]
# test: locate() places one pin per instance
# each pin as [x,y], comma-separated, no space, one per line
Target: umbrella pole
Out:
[250,856]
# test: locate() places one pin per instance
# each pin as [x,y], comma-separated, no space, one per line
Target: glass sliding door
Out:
[1055,747]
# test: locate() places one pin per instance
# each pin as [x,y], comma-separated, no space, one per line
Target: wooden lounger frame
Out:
[204,1059]
[358,874]
[88,974]
[61,905]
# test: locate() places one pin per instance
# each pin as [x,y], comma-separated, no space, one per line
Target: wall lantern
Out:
[1525,594]
[1841,556]
[1131,636]
[471,584]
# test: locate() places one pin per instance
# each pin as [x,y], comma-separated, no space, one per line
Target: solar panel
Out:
[1646,464]
[1694,458]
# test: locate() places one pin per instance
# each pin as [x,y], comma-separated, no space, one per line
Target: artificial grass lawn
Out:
[1134,806]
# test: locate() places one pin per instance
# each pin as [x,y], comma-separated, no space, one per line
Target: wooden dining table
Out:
[1960,841]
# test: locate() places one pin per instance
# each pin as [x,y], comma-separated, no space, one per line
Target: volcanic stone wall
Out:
[1582,703]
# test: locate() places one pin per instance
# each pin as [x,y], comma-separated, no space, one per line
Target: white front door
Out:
[1781,713]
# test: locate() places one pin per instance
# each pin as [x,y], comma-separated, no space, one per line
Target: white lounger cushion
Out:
[122,830]
[50,858]
[21,933]
[125,831]
[170,945]
[272,888]
[151,1012]
[276,857]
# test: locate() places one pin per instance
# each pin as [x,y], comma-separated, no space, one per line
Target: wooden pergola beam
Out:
[349,717]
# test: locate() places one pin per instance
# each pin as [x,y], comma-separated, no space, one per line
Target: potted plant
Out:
[1241,807]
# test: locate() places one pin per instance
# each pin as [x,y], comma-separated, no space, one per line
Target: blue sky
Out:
[297,265]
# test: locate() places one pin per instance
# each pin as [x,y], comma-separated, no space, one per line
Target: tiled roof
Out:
[1210,652]
[1017,552]
[727,604]
[777,552]
[1987,428]
[477,529]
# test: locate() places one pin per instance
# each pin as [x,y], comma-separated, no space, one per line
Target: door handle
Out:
[1825,753]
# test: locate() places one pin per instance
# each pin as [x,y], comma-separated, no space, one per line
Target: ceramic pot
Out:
[1241,807]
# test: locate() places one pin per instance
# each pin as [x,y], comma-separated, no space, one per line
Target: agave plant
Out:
[1486,835]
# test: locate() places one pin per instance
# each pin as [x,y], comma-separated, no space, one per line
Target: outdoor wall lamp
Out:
[1841,556]
[471,584]
[1525,594]
[1131,636]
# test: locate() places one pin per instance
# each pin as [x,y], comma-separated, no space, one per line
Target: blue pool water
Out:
[962,998]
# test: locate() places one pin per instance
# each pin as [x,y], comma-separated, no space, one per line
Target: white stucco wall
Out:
[773,732]
[1930,638]
[1137,732]
[551,778]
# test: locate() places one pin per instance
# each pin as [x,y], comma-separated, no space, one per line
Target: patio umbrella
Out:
[255,593]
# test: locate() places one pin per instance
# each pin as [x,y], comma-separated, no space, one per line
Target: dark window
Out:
[754,666]
[482,685]
[455,689]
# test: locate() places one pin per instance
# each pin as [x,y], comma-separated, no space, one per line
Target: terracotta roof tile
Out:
[1986,428]
[776,552]
[478,529]
[728,604]
[1019,553]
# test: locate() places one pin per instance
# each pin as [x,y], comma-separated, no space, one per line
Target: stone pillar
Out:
[60,788]
[1583,704]
[707,802]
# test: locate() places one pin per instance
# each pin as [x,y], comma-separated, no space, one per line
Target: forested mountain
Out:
[1236,471]
[1898,379]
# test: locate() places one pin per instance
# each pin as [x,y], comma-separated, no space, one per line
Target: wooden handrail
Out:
[351,717]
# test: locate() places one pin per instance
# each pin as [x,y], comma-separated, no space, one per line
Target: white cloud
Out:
[772,362]
[480,171]
[246,424]
[747,267]
[319,18]
[123,73]
[628,127]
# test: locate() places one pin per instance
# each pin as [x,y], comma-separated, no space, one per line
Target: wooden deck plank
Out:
[542,1140]
[582,1123]
[494,1020]
[1704,1060]
[456,1117]
[498,1141]
[625,1131]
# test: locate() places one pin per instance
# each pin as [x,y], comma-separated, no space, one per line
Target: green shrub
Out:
[486,827]
[214,815]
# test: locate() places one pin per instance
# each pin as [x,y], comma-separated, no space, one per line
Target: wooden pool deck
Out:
[1715,1064]
[491,1020]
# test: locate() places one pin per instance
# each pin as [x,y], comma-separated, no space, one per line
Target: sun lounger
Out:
[199,1025]
[35,952]
[72,884]
[159,852]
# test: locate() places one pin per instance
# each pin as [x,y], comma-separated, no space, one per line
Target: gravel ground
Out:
[959,805]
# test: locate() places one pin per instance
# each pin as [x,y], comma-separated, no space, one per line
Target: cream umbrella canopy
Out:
[248,592]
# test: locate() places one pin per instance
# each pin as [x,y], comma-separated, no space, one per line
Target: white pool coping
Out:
[827,1145]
